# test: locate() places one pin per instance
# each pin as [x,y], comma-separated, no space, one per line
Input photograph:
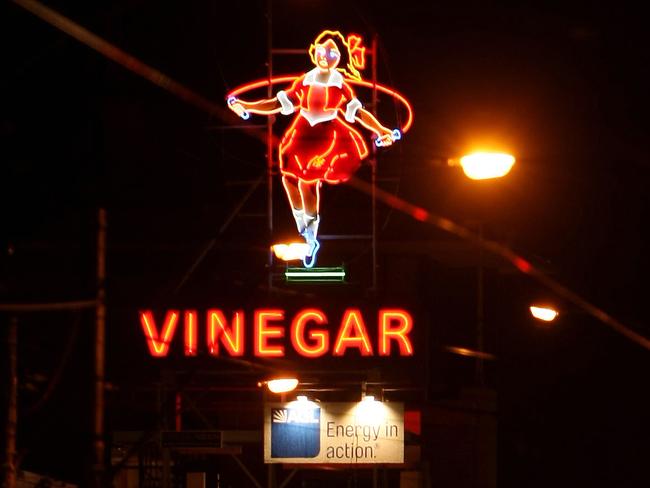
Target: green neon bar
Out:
[315,275]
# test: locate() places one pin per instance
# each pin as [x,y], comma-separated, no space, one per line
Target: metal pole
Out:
[269,138]
[373,162]
[270,477]
[480,309]
[178,412]
[12,408]
[47,307]
[100,350]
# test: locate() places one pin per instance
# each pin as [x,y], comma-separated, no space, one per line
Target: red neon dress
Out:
[319,144]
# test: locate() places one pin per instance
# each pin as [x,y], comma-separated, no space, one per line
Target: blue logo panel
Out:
[295,432]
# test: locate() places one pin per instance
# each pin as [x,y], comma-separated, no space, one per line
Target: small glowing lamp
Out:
[545,314]
[486,165]
[281,385]
[368,398]
[292,251]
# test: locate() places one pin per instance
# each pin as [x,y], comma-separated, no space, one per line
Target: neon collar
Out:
[335,79]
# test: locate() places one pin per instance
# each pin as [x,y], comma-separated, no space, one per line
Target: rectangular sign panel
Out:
[368,432]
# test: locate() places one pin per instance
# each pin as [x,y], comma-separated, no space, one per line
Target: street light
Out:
[485,165]
[280,385]
[482,165]
[544,313]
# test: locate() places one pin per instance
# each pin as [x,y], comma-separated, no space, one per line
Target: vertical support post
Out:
[270,478]
[12,407]
[270,468]
[480,309]
[163,416]
[167,468]
[178,411]
[374,167]
[269,138]
[100,349]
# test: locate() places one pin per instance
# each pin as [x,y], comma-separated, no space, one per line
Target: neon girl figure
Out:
[321,143]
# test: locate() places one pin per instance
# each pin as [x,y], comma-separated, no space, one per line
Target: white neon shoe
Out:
[310,233]
[310,258]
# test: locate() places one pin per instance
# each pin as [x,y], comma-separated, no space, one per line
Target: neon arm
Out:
[263,107]
[369,121]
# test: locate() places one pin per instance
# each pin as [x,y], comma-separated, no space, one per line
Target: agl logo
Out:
[296,415]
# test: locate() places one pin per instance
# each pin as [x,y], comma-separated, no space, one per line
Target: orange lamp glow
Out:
[543,313]
[292,251]
[281,385]
[471,353]
[486,165]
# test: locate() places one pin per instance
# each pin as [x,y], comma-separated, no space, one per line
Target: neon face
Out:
[395,325]
[318,338]
[231,337]
[327,55]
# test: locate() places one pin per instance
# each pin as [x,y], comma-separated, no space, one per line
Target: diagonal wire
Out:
[128,61]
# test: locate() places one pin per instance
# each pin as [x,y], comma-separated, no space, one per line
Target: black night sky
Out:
[562,85]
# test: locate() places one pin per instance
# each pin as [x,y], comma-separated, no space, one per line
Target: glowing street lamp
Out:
[280,385]
[481,166]
[543,313]
[292,251]
[486,165]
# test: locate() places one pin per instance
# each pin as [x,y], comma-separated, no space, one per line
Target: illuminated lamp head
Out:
[330,49]
[281,384]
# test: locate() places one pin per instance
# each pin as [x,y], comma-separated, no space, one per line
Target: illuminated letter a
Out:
[353,333]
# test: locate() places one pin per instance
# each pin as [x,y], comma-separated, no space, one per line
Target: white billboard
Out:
[367,432]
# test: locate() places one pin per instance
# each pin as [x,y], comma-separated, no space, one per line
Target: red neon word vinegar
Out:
[308,332]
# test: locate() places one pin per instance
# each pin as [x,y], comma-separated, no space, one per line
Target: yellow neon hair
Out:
[353,62]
